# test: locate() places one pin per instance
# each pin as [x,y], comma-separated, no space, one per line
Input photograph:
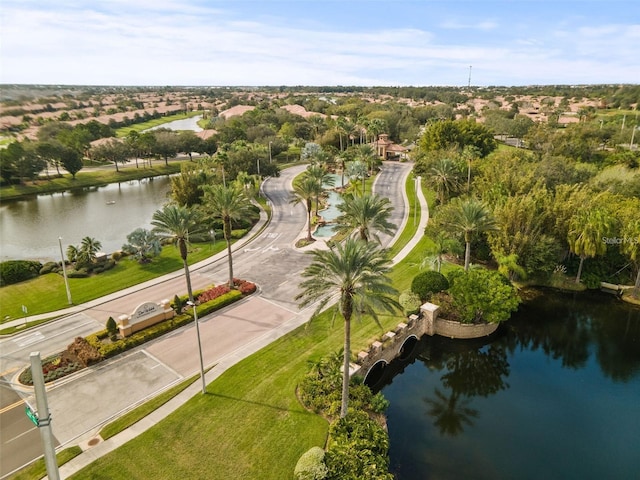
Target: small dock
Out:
[614,289]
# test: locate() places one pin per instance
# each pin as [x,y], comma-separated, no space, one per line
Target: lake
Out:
[30,227]
[555,393]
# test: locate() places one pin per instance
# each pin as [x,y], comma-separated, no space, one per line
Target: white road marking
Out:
[29,339]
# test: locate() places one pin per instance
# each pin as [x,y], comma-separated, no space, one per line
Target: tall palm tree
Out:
[443,176]
[366,214]
[470,216]
[587,228]
[367,155]
[89,247]
[355,272]
[228,204]
[180,224]
[321,175]
[305,190]
[357,169]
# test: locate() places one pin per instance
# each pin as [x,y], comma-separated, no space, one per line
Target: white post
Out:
[195,317]
[269,152]
[44,418]
[64,272]
[633,134]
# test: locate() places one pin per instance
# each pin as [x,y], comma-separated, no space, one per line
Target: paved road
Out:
[83,403]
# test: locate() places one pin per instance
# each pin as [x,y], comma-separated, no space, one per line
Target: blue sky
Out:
[319,42]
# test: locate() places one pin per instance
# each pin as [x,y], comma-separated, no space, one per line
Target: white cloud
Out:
[165,42]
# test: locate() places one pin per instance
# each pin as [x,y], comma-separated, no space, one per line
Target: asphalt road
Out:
[81,404]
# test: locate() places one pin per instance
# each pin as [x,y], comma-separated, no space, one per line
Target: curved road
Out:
[81,404]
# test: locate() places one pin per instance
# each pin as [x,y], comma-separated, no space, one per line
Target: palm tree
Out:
[442,244]
[179,224]
[321,175]
[305,190]
[89,247]
[443,177]
[367,214]
[357,169]
[587,228]
[228,204]
[470,216]
[355,272]
[72,253]
[366,154]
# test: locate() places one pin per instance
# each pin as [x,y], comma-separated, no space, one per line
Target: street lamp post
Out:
[212,232]
[42,417]
[258,164]
[270,152]
[195,317]
[415,200]
[64,272]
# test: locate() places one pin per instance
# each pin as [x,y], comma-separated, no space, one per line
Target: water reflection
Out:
[555,391]
[29,228]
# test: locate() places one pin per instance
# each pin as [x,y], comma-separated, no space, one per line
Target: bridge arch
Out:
[407,347]
[375,373]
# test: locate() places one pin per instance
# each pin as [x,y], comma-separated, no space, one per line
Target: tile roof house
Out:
[389,150]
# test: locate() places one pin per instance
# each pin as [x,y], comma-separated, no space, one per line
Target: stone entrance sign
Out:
[145,315]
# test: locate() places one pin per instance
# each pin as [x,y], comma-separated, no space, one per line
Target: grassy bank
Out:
[89,178]
[47,293]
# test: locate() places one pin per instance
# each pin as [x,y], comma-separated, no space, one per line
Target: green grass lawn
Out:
[47,293]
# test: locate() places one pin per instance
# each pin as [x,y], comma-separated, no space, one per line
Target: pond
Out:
[190,123]
[30,227]
[555,393]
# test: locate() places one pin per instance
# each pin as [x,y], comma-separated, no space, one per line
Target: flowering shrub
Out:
[244,287]
[213,293]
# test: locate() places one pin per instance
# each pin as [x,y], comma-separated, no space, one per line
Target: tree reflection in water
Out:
[471,370]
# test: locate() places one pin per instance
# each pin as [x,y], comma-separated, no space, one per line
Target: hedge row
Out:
[111,349]
[14,271]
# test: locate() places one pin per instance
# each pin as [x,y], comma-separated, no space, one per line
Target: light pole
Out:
[64,272]
[195,317]
[212,232]
[415,200]
[42,418]
[258,164]
[270,152]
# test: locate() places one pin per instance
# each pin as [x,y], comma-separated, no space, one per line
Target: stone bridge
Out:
[399,342]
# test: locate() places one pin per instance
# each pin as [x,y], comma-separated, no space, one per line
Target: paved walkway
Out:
[91,453]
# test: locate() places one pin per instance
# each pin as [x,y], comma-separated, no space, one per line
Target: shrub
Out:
[359,449]
[178,304]
[116,256]
[426,283]
[112,327]
[213,293]
[311,465]
[244,286]
[14,271]
[236,234]
[82,273]
[49,267]
[86,353]
[483,295]
[410,302]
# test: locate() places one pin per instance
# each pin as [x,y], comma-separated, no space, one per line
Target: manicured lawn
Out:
[47,292]
[38,468]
